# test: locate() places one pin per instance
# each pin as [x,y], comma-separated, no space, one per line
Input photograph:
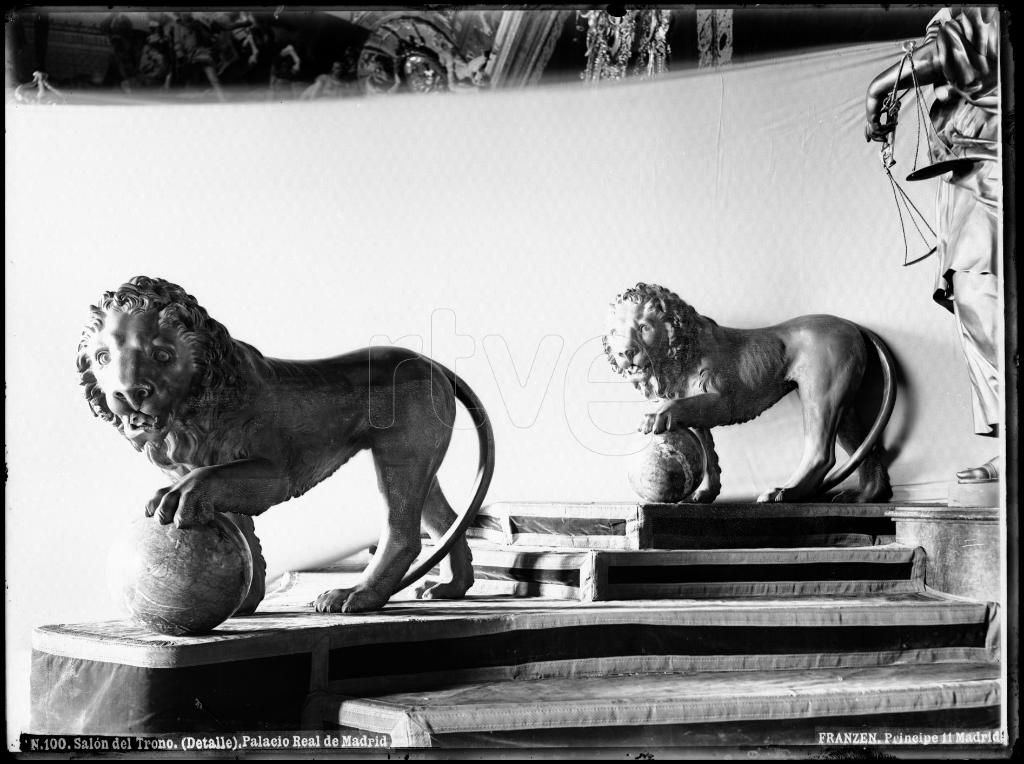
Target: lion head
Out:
[155,365]
[651,337]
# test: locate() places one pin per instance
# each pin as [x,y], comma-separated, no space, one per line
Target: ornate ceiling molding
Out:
[523,45]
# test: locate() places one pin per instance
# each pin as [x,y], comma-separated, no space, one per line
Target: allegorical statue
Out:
[238,432]
[703,375]
[959,59]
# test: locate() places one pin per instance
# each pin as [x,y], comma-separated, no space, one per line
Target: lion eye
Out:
[161,355]
[103,357]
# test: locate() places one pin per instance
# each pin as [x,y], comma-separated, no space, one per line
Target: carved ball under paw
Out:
[669,469]
[180,582]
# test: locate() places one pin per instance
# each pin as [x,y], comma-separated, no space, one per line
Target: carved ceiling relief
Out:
[337,53]
[286,55]
[428,53]
[634,43]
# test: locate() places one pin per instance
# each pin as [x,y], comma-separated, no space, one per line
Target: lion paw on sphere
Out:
[703,375]
[239,433]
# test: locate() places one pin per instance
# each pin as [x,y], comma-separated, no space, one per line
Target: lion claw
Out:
[192,515]
[362,600]
[354,600]
[421,589]
[443,591]
[331,601]
[772,496]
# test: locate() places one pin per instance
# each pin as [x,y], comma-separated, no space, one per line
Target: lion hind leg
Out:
[821,422]
[872,474]
[457,567]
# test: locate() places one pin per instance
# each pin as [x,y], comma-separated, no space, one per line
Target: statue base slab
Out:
[288,667]
[984,494]
[962,544]
[774,620]
[705,708]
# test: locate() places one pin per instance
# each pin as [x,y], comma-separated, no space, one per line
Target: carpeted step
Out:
[669,704]
[608,525]
[687,574]
[114,676]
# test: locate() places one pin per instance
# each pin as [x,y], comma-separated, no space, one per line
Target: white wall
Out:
[312,228]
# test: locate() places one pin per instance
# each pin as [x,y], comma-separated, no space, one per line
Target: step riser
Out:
[486,586]
[654,665]
[417,718]
[599,575]
[638,648]
[730,735]
[98,678]
[683,526]
[783,536]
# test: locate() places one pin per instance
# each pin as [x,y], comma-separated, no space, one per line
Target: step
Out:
[594,575]
[631,526]
[671,702]
[113,676]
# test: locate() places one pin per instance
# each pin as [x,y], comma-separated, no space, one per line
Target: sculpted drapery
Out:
[959,59]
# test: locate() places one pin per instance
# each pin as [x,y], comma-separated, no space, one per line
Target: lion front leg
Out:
[245,487]
[703,410]
[405,473]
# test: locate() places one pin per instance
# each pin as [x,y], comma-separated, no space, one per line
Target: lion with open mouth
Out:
[239,433]
[703,375]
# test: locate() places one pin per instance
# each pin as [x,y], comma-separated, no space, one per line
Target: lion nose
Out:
[134,396]
[630,354]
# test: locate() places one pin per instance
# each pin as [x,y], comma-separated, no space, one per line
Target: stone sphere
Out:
[180,581]
[669,469]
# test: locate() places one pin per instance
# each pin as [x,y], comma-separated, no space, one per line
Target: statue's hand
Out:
[187,503]
[876,131]
[665,417]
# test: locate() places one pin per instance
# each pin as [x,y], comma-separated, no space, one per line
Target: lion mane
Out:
[681,321]
[202,430]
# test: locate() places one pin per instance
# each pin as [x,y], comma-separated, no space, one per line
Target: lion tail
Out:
[888,401]
[485,470]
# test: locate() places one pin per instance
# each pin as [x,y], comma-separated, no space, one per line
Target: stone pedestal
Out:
[974,494]
[962,544]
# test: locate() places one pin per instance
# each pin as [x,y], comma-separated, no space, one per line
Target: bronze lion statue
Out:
[239,433]
[704,375]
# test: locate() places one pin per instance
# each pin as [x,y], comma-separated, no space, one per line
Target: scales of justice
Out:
[955,157]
